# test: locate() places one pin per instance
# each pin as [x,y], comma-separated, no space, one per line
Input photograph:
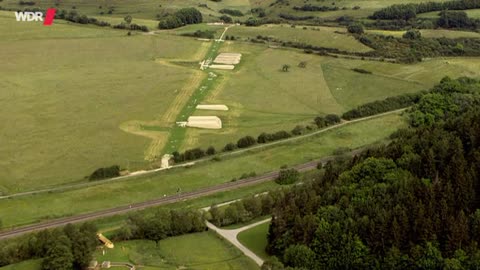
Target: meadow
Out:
[53,205]
[330,37]
[202,251]
[262,98]
[69,90]
[255,239]
[141,9]
[192,251]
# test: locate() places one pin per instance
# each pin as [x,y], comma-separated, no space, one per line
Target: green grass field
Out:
[68,89]
[26,265]
[141,9]
[52,205]
[262,98]
[202,251]
[255,239]
[317,36]
[192,251]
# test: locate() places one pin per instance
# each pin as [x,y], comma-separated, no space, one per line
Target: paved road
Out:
[231,236]
[160,201]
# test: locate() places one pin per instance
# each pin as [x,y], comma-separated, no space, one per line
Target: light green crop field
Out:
[193,251]
[68,91]
[316,36]
[255,239]
[52,205]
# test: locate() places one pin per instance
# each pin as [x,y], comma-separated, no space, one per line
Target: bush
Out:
[363,71]
[104,173]
[355,28]
[232,12]
[287,177]
[412,34]
[246,141]
[229,147]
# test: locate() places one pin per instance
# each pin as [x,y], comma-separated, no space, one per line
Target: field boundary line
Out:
[237,152]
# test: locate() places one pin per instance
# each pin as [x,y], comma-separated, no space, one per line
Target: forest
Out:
[409,204]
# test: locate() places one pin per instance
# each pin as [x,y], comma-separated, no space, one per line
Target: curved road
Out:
[160,201]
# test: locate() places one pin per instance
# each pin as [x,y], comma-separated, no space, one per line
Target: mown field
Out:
[330,37]
[69,90]
[193,251]
[255,239]
[52,205]
[262,98]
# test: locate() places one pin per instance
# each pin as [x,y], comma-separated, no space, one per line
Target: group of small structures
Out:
[226,61]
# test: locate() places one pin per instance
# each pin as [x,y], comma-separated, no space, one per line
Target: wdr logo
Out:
[28,16]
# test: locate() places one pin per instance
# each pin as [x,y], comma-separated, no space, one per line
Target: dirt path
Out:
[231,236]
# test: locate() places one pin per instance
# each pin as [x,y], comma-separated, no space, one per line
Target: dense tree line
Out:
[131,26]
[408,50]
[381,106]
[244,210]
[201,34]
[73,16]
[180,18]
[310,7]
[163,224]
[409,11]
[328,120]
[61,249]
[411,204]
[291,17]
[231,12]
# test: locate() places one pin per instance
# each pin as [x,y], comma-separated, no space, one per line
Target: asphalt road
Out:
[160,201]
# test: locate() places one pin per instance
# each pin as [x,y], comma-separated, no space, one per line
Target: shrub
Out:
[355,28]
[246,141]
[412,34]
[104,173]
[287,176]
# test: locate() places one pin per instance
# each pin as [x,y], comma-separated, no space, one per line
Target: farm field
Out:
[260,96]
[143,9]
[69,111]
[255,239]
[54,205]
[192,251]
[330,37]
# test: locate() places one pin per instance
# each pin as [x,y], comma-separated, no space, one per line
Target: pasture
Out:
[142,9]
[330,37]
[192,251]
[262,98]
[53,205]
[255,239]
[68,89]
